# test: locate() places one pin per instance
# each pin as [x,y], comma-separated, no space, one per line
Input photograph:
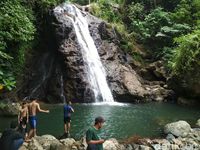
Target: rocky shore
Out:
[179,135]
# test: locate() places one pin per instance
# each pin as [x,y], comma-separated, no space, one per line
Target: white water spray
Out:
[63,98]
[95,70]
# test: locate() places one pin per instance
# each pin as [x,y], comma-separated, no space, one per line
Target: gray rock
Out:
[47,140]
[128,147]
[170,137]
[34,145]
[179,128]
[174,147]
[69,142]
[198,123]
[9,108]
[55,146]
[143,147]
[177,142]
[112,144]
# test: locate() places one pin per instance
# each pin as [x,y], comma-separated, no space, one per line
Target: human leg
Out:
[68,127]
[65,127]
[33,123]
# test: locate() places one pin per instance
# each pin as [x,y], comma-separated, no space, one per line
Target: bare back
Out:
[24,112]
[33,108]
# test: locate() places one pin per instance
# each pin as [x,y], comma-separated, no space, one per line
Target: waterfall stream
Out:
[63,98]
[95,70]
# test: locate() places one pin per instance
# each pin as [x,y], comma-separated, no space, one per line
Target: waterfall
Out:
[62,96]
[95,70]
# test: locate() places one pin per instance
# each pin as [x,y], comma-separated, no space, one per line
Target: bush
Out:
[187,54]
[107,11]
[16,31]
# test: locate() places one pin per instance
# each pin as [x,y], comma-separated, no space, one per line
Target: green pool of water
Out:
[122,121]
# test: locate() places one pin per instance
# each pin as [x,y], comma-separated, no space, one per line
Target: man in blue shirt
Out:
[67,116]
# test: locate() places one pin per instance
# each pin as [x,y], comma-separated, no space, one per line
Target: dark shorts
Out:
[67,119]
[33,122]
[24,121]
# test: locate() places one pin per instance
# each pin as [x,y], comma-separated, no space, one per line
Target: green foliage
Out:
[81,2]
[43,6]
[7,79]
[16,31]
[188,12]
[15,24]
[135,11]
[187,54]
[107,11]
[150,26]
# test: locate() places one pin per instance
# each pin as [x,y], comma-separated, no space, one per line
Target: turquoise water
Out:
[122,121]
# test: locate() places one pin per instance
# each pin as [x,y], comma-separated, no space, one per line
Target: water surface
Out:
[122,121]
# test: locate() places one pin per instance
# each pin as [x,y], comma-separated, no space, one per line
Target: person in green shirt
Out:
[93,140]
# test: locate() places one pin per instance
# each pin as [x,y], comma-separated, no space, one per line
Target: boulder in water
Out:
[178,129]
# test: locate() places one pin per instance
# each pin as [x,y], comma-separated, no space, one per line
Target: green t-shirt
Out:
[92,134]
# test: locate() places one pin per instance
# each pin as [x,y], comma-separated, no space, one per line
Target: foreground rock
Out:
[174,141]
[179,129]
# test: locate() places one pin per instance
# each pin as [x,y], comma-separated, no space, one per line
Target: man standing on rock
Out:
[93,140]
[67,116]
[33,108]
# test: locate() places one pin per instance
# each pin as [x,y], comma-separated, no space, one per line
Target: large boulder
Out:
[179,128]
[198,123]
[34,145]
[46,141]
[9,108]
[112,144]
[69,142]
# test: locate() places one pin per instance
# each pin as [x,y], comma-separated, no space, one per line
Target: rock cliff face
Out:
[126,85]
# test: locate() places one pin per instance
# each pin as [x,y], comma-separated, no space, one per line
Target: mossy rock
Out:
[9,108]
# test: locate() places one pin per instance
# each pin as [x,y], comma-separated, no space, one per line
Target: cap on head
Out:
[99,120]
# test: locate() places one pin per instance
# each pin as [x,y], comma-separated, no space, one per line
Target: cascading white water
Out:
[95,70]
[63,98]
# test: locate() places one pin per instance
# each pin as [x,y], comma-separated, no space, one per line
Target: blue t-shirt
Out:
[67,110]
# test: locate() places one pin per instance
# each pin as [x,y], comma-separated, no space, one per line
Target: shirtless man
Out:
[23,119]
[33,108]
